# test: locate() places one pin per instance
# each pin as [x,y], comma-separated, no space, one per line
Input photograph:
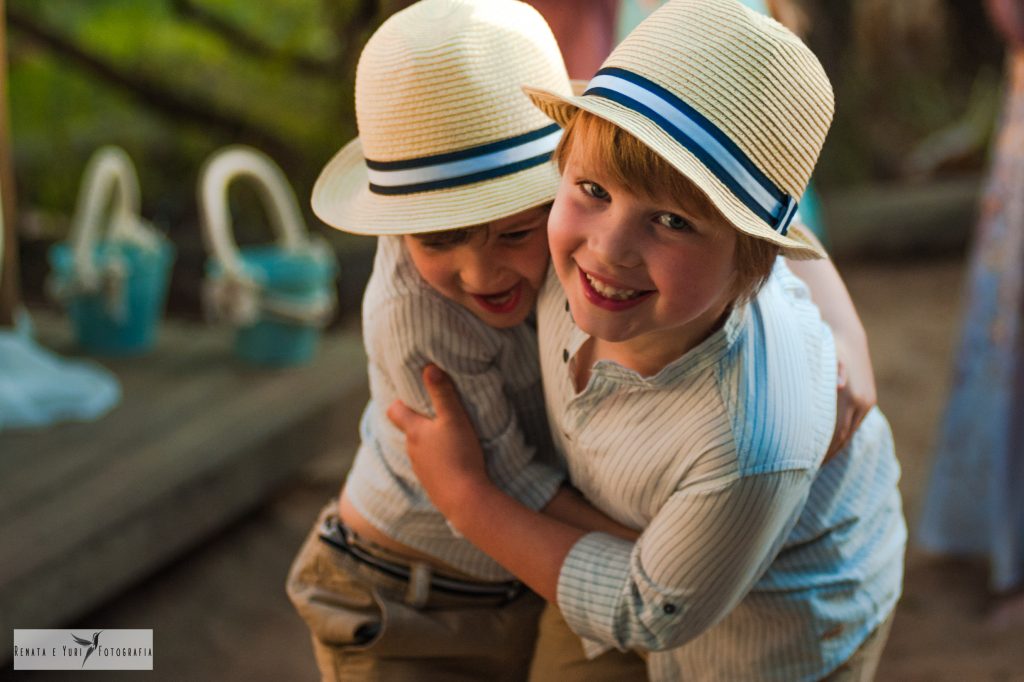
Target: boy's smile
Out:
[495,273]
[609,295]
[642,275]
[501,302]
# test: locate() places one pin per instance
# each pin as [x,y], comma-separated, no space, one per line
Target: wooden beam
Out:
[10,294]
[89,509]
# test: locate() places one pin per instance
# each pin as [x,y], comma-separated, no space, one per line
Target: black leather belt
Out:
[333,533]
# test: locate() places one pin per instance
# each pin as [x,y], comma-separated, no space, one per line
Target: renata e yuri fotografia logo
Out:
[83,650]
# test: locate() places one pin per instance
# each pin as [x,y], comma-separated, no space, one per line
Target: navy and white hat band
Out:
[702,138]
[464,167]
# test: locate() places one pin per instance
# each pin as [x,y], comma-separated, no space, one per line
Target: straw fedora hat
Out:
[730,98]
[447,138]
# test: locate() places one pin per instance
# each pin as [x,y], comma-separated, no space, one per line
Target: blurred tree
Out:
[274,74]
[10,294]
[171,81]
[906,73]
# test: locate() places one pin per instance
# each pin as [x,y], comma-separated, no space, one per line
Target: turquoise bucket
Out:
[113,272]
[289,282]
[122,316]
[277,296]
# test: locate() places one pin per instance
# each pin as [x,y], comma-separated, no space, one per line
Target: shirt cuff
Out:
[590,586]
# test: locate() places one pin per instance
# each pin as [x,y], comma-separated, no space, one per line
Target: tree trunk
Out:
[9,292]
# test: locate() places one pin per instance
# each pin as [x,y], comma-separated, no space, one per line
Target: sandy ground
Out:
[221,614]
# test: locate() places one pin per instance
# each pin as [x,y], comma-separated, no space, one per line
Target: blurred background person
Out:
[584,29]
[974,503]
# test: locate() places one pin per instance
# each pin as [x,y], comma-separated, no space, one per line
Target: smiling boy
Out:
[495,270]
[688,378]
[452,173]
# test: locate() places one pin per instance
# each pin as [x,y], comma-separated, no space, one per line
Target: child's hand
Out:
[856,393]
[444,451]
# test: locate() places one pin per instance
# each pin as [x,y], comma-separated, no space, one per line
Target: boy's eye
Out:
[593,189]
[438,246]
[674,222]
[516,235]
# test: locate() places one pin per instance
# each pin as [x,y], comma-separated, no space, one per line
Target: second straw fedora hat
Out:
[730,98]
[447,138]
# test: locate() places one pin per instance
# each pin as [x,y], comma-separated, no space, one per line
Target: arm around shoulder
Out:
[856,381]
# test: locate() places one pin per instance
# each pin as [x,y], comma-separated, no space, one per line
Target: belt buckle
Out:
[513,591]
[331,532]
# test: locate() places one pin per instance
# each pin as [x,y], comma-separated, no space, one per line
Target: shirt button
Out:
[566,306]
[565,355]
[669,609]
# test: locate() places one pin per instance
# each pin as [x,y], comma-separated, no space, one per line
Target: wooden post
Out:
[9,291]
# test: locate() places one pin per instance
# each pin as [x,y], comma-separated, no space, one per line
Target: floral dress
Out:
[974,504]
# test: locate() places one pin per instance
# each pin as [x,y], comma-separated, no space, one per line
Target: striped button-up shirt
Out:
[406,324]
[754,563]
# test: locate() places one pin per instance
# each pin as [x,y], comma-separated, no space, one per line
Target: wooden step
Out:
[88,509]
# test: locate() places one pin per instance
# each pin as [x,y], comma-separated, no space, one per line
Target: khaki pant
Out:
[862,665]
[368,626]
[559,657]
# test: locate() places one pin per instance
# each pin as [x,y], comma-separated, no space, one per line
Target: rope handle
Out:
[214,179]
[109,169]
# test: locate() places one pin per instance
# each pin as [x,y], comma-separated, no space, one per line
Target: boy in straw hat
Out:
[452,171]
[689,380]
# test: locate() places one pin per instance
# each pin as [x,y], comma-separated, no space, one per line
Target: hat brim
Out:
[342,198]
[795,244]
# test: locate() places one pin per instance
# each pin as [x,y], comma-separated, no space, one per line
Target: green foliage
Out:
[185,77]
[61,110]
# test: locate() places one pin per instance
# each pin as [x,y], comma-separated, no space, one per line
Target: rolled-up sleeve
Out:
[700,555]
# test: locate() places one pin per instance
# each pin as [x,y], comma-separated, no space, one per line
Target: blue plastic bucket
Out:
[278,296]
[112,272]
[115,322]
[289,280]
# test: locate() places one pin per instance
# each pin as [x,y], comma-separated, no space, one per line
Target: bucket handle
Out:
[108,169]
[216,176]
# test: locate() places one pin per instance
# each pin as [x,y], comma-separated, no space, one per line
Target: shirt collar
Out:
[708,352]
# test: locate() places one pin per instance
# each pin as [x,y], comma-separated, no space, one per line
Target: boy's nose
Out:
[480,274]
[614,240]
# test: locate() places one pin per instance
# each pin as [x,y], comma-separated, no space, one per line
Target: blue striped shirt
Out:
[755,561]
[407,324]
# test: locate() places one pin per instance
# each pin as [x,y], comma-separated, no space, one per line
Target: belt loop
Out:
[419,585]
[347,533]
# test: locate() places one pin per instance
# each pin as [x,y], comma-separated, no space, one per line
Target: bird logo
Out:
[92,645]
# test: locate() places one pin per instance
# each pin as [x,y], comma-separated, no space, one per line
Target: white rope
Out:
[233,294]
[109,169]
[109,177]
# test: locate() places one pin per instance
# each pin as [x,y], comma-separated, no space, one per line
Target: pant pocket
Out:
[339,608]
[495,633]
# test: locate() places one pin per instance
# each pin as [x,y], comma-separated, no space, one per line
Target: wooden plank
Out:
[155,378]
[179,357]
[87,509]
[167,451]
[71,452]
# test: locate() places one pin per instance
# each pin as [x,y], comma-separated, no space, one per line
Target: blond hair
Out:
[628,162]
